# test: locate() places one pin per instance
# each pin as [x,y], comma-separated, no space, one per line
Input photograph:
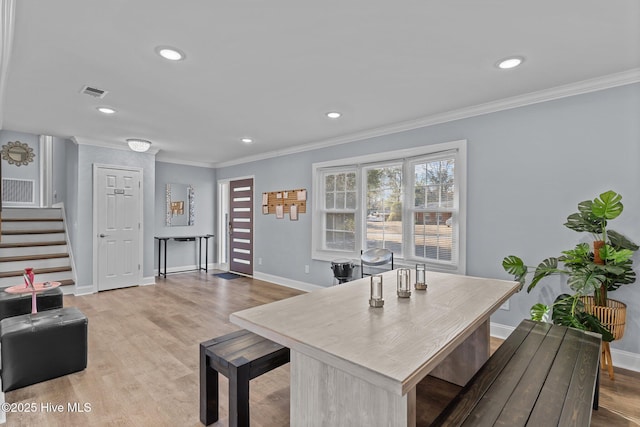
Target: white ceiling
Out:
[272,69]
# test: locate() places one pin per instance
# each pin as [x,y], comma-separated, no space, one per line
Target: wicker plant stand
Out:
[613,316]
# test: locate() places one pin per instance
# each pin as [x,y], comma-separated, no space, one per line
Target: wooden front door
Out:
[241,226]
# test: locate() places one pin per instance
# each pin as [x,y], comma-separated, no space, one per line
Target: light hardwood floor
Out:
[143,362]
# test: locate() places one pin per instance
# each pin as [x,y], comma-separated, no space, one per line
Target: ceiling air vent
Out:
[92,91]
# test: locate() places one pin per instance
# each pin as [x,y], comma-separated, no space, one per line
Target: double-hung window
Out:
[339,209]
[434,205]
[409,201]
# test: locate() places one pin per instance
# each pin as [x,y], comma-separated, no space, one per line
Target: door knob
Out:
[103,235]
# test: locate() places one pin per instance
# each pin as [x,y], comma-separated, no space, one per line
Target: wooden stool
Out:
[240,356]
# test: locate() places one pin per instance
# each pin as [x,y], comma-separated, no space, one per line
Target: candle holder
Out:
[376,291]
[421,277]
[404,288]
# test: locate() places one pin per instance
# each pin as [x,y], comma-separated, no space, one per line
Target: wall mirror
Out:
[17,153]
[180,205]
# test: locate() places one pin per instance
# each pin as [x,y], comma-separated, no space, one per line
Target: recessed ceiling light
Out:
[170,53]
[247,140]
[334,114]
[511,62]
[139,145]
[106,110]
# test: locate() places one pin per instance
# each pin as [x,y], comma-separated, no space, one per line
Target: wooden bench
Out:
[541,375]
[240,356]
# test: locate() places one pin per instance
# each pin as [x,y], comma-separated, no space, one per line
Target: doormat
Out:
[227,276]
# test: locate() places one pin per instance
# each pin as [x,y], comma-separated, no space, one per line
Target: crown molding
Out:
[564,91]
[164,159]
[78,140]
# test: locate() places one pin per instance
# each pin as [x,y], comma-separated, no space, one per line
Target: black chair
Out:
[375,257]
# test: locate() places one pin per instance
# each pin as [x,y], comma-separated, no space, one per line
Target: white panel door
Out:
[118,226]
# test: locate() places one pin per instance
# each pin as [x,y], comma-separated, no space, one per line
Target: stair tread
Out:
[46,227]
[31,219]
[28,244]
[19,273]
[33,257]
[15,232]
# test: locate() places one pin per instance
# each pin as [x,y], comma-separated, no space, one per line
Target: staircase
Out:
[34,237]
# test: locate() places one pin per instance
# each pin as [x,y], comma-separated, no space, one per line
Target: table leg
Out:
[165,259]
[465,360]
[160,257]
[322,395]
[206,255]
[34,305]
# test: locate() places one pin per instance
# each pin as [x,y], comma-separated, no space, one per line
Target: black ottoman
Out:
[17,304]
[39,347]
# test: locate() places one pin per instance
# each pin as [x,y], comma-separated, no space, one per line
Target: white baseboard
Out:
[621,358]
[146,281]
[84,290]
[625,359]
[303,286]
[500,331]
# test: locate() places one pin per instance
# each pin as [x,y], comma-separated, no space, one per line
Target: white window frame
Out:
[320,206]
[411,209]
[407,156]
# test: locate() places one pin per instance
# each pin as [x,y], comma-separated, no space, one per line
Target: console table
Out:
[162,255]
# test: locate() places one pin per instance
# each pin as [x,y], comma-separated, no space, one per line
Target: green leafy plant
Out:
[589,272]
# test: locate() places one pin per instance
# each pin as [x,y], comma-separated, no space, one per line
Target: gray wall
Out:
[83,221]
[203,180]
[527,169]
[30,171]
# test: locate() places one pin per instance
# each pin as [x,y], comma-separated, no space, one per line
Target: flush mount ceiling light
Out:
[247,140]
[139,145]
[334,114]
[106,110]
[510,62]
[170,53]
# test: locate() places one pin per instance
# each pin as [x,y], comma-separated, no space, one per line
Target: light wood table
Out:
[356,365]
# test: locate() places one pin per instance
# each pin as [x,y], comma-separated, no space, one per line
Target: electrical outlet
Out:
[505,306]
[306,269]
[259,261]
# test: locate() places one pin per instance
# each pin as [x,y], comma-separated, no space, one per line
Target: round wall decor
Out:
[17,153]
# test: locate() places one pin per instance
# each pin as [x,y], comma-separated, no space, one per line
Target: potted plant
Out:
[591,273]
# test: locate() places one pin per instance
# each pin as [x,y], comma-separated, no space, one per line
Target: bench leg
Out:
[208,390]
[596,396]
[239,397]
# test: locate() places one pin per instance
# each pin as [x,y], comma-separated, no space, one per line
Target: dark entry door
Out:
[241,226]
